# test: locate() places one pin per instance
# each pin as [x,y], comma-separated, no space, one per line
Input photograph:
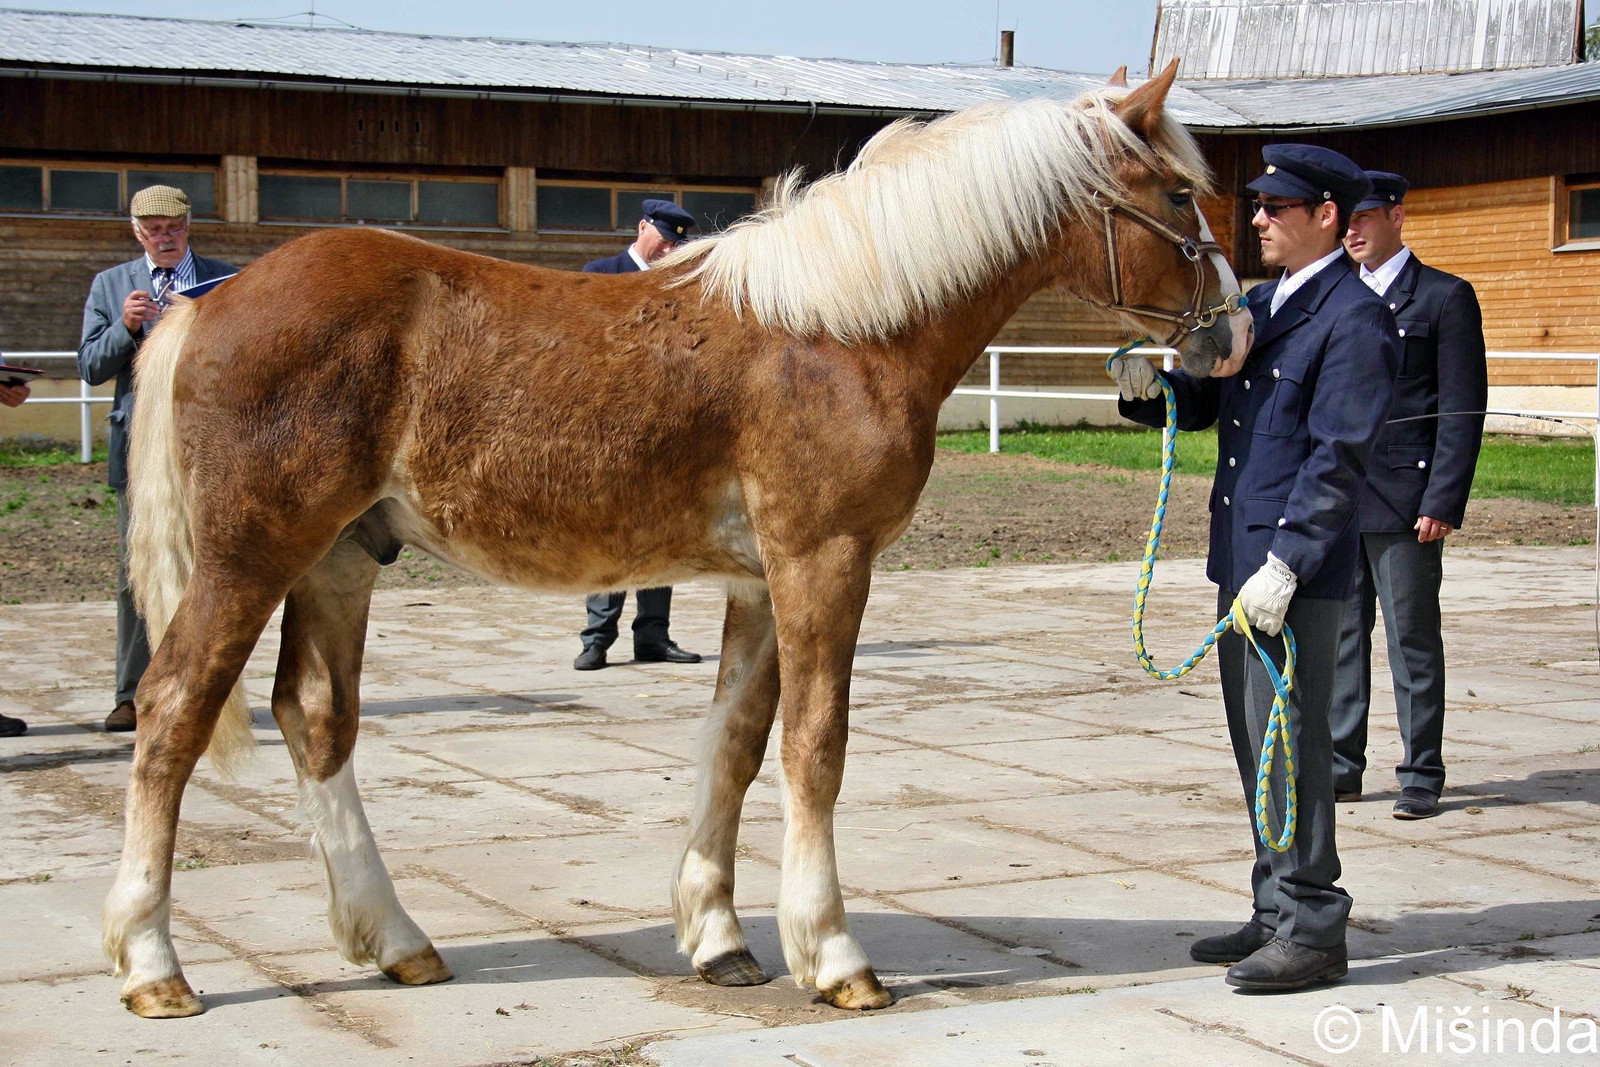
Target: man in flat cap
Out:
[1416,495]
[1295,428]
[662,228]
[124,303]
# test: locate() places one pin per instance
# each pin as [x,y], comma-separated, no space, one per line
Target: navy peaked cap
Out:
[1387,190]
[1310,172]
[670,220]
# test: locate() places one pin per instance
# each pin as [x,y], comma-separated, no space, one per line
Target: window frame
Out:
[677,189]
[1561,239]
[121,169]
[413,178]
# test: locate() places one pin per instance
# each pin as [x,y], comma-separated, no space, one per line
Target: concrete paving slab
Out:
[1025,817]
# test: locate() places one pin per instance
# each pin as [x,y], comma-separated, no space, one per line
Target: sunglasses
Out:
[1273,209]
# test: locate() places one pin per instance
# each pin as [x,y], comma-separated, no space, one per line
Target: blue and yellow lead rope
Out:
[1278,735]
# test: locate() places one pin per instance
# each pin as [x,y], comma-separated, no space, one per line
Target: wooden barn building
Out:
[541,152]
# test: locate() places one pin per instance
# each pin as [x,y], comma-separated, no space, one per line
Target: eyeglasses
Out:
[1271,210]
[156,235]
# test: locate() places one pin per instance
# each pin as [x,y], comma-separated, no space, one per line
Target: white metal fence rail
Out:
[994,392]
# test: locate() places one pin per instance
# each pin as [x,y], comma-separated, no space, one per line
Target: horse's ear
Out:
[1120,78]
[1141,109]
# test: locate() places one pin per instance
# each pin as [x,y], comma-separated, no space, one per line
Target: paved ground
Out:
[1031,834]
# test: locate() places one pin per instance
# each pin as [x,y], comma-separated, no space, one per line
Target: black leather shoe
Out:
[122,718]
[10,727]
[1231,948]
[1347,796]
[665,652]
[1283,965]
[590,659]
[1416,803]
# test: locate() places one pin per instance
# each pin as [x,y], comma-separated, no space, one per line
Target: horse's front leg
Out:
[818,601]
[732,747]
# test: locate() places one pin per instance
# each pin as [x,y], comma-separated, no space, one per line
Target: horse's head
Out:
[1161,269]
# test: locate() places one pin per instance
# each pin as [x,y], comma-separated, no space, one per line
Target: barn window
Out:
[88,189]
[1583,213]
[617,207]
[381,200]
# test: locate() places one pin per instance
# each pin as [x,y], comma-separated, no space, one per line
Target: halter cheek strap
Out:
[1197,315]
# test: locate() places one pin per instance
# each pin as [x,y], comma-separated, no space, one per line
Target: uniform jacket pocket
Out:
[1258,511]
[1283,407]
[1416,349]
[1411,457]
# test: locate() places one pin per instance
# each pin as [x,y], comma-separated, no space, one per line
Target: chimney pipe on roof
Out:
[1008,42]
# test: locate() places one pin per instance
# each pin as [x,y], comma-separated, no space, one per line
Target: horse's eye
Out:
[1180,199]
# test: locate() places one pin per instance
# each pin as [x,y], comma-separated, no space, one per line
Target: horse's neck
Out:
[949,344]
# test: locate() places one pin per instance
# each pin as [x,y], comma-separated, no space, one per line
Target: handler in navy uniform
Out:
[1416,496]
[1295,429]
[664,225]
[124,303]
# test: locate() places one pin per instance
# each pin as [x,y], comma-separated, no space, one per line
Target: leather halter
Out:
[1198,315]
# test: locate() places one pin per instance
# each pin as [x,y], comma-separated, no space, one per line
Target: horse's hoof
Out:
[862,992]
[425,968]
[733,968]
[168,998]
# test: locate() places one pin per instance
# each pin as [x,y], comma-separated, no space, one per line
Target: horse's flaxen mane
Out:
[926,213]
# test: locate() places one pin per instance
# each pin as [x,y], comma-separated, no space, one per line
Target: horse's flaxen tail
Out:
[160,544]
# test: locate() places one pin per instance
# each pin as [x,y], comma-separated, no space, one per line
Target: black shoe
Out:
[590,659]
[1231,948]
[1416,803]
[10,727]
[1347,796]
[122,718]
[665,652]
[1283,965]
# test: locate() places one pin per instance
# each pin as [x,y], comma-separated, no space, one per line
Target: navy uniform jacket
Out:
[621,263]
[1425,467]
[107,347]
[1295,428]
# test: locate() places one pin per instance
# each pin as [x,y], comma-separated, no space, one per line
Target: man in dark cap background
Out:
[1417,487]
[662,228]
[123,306]
[1295,428]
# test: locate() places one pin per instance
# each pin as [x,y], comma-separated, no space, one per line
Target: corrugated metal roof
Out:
[103,42]
[1398,98]
[1323,38]
[60,42]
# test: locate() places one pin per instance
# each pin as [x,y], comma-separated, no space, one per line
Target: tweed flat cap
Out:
[161,200]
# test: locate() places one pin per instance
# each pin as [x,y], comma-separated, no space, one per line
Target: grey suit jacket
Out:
[107,348]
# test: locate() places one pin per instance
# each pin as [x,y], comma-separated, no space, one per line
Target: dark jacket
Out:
[1425,467]
[107,348]
[621,263]
[1295,429]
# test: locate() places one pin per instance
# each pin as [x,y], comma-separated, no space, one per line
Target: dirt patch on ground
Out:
[58,525]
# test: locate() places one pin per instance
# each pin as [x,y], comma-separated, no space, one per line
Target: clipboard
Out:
[18,375]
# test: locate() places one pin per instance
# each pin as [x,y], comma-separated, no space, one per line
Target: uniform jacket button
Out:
[1391,307]
[1422,463]
[1231,462]
[1282,521]
[1236,422]
[1402,333]
[1226,501]
[1276,373]
[1247,385]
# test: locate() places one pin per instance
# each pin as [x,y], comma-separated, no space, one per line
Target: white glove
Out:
[1135,377]
[1265,597]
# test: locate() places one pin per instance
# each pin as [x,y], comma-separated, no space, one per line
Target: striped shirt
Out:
[182,274]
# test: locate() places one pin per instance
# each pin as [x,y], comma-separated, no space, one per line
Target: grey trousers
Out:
[133,648]
[1295,894]
[651,610]
[1404,577]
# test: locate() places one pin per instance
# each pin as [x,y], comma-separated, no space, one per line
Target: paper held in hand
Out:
[18,375]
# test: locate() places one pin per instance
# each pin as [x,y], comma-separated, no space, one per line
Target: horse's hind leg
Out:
[316,700]
[205,647]
[732,747]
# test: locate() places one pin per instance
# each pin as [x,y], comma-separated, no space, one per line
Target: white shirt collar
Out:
[1381,279]
[187,260]
[1289,283]
[637,258]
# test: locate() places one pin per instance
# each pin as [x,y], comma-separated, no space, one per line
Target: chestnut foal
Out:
[761,408]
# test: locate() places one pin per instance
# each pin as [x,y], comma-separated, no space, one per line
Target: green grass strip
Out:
[1552,470]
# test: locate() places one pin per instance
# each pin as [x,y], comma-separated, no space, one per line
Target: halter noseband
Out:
[1198,315]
